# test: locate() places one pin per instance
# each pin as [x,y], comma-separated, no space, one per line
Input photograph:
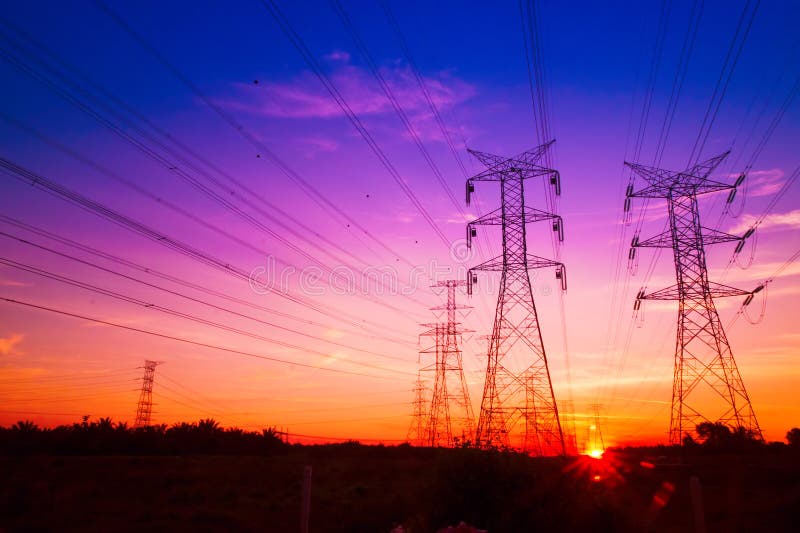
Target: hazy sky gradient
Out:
[55,369]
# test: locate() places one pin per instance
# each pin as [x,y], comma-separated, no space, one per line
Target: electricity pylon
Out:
[566,412]
[450,421]
[518,408]
[144,409]
[416,432]
[595,443]
[707,386]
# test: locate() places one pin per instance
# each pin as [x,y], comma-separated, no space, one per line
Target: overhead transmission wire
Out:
[424,89]
[398,108]
[446,135]
[756,154]
[181,295]
[89,205]
[788,66]
[64,399]
[315,67]
[644,116]
[678,80]
[541,121]
[188,341]
[721,88]
[709,118]
[186,149]
[60,377]
[173,279]
[617,268]
[396,105]
[308,189]
[170,166]
[790,181]
[179,314]
[64,386]
[765,284]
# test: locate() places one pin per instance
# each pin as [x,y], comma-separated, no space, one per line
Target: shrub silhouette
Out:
[793,437]
[104,437]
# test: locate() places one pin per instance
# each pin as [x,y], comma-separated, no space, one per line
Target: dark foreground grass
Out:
[373,488]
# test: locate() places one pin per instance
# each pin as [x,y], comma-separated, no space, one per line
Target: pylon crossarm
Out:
[495,218]
[678,189]
[526,170]
[704,169]
[534,261]
[716,290]
[664,240]
[663,177]
[496,162]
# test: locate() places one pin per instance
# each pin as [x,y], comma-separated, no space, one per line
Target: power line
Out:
[312,63]
[190,298]
[321,200]
[101,210]
[188,341]
[176,280]
[173,168]
[173,312]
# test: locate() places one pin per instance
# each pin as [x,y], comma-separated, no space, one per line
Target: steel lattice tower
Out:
[707,386]
[450,421]
[416,432]
[144,409]
[566,412]
[518,408]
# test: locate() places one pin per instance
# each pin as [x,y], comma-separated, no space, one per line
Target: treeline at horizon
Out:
[104,436]
[207,436]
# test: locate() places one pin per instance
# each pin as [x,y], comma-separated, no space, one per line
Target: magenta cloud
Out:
[304,97]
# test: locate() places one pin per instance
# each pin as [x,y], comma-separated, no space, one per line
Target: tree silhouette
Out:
[793,437]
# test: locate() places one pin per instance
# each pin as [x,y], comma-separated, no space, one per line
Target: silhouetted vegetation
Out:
[103,476]
[793,437]
[104,437]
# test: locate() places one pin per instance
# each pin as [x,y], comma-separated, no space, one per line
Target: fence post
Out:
[306,503]
[697,504]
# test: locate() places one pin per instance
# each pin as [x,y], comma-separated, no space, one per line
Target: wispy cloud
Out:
[788,220]
[304,96]
[13,283]
[338,55]
[763,182]
[8,344]
[314,145]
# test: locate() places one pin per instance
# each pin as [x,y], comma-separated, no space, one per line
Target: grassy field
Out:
[373,488]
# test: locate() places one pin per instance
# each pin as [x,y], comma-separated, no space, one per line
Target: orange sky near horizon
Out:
[325,362]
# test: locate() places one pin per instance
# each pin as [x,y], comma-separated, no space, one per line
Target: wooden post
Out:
[697,504]
[306,503]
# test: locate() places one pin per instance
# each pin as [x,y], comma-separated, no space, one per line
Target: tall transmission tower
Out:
[416,432]
[707,386]
[450,421]
[144,409]
[518,408]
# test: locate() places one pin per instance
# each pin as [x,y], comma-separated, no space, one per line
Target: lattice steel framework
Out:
[450,420]
[144,409]
[518,408]
[416,432]
[707,386]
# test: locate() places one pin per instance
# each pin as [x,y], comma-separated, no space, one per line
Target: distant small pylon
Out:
[595,443]
[449,422]
[567,411]
[144,409]
[416,432]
